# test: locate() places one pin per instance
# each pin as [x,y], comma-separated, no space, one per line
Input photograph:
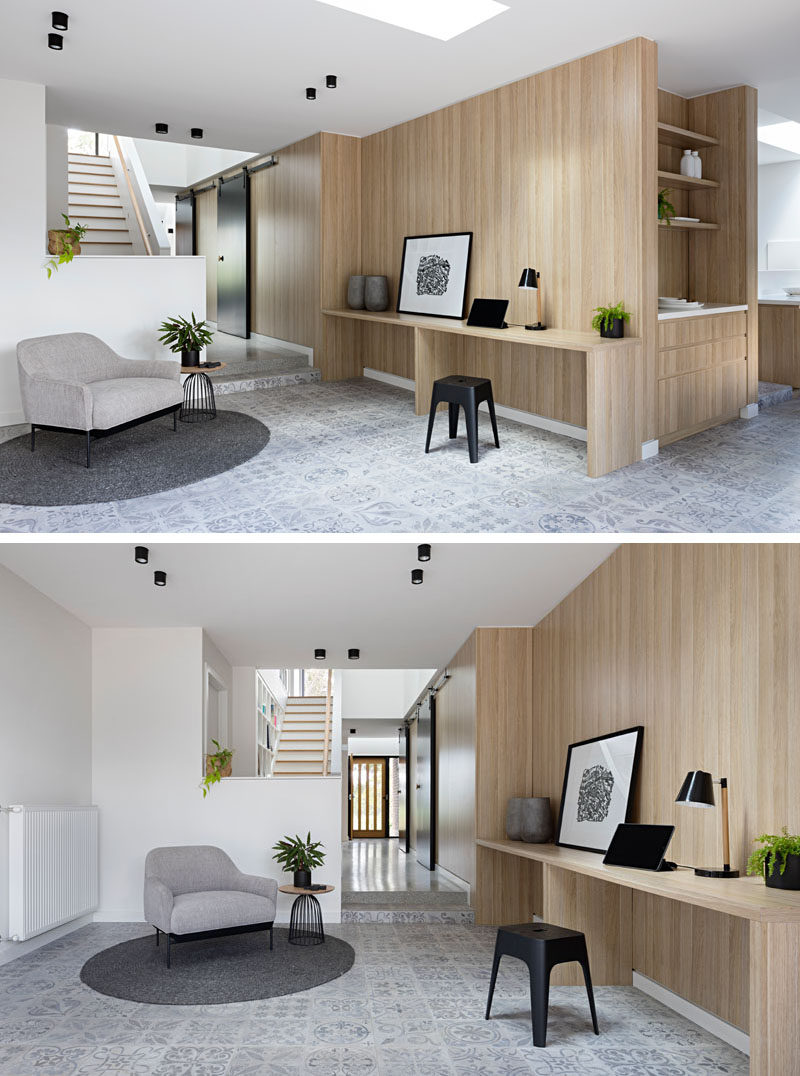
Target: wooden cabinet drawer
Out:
[681,332]
[683,360]
[779,344]
[692,399]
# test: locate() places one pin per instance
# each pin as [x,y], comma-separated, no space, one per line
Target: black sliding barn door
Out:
[184,224]
[233,265]
[425,800]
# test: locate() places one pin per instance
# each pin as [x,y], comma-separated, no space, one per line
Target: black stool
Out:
[541,946]
[467,392]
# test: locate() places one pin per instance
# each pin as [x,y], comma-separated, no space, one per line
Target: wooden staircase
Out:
[302,746]
[96,203]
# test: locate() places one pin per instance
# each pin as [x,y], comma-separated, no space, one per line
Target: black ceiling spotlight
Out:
[353,654]
[55,41]
[319,654]
[141,554]
[416,576]
[162,128]
[60,20]
[197,132]
[423,552]
[352,732]
[311,93]
[331,81]
[160,579]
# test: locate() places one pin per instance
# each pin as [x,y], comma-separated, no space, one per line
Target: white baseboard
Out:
[11,950]
[649,449]
[734,1036]
[527,418]
[748,411]
[12,418]
[454,878]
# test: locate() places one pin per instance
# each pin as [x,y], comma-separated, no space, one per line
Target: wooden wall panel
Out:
[676,944]
[508,889]
[285,246]
[340,216]
[455,766]
[205,209]
[779,347]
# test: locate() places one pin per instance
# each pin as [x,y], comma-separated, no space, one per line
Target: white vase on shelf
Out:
[697,165]
[687,165]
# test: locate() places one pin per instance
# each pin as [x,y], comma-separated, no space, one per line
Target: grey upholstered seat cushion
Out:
[218,910]
[122,399]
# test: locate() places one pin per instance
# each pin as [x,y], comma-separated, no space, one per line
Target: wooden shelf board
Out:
[700,226]
[684,139]
[684,183]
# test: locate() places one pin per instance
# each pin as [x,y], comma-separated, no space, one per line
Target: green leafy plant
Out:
[70,236]
[604,318]
[666,210]
[182,335]
[296,854]
[215,765]
[775,847]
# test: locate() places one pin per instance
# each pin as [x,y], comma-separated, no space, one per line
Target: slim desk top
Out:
[516,334]
[747,898]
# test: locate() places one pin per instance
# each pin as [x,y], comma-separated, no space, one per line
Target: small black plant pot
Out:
[616,331]
[302,879]
[790,879]
[190,358]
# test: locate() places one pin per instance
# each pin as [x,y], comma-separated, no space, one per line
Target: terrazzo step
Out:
[770,394]
[223,386]
[365,913]
[405,898]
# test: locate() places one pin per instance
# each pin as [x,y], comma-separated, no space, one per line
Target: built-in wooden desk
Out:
[589,386]
[575,889]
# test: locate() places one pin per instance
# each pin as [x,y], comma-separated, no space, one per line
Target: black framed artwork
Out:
[599,783]
[433,275]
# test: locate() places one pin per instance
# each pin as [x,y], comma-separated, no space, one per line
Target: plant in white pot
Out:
[300,856]
[187,337]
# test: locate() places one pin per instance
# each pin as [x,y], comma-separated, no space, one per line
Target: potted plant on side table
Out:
[778,859]
[218,765]
[609,321]
[187,337]
[300,856]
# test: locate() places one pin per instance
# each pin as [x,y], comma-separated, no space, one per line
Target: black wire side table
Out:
[199,403]
[305,921]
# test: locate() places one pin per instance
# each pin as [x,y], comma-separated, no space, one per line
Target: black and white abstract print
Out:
[433,275]
[594,794]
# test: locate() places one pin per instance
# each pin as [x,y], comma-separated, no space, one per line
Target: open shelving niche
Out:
[681,138]
[269,722]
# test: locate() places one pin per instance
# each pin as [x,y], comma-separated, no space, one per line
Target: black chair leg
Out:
[431,417]
[33,438]
[540,997]
[175,421]
[270,939]
[158,936]
[490,402]
[495,966]
[453,412]
[88,448]
[169,961]
[588,980]
[471,415]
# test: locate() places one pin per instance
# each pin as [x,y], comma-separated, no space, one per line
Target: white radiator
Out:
[52,874]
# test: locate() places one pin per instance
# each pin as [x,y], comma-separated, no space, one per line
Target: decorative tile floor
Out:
[348,457]
[412,1003]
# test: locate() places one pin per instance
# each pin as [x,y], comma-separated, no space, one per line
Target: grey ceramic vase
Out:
[529,819]
[376,293]
[355,292]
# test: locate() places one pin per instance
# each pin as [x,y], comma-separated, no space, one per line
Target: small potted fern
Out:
[609,321]
[666,210]
[777,860]
[300,856]
[65,242]
[187,337]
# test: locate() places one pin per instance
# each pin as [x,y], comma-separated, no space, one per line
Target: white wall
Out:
[173,164]
[778,218]
[373,745]
[123,299]
[380,693]
[45,713]
[147,762]
[57,182]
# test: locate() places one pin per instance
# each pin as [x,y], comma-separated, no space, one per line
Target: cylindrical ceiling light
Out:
[60,20]
[423,552]
[319,654]
[162,128]
[160,578]
[197,132]
[331,82]
[141,554]
[353,654]
[55,41]
[311,93]
[416,576]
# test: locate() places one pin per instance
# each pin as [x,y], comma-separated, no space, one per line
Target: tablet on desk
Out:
[640,846]
[488,313]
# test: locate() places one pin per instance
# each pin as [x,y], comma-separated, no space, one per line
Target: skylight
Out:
[443,19]
[783,135]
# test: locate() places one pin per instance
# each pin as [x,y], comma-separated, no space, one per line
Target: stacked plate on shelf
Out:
[667,302]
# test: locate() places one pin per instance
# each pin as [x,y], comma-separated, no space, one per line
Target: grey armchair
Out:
[194,891]
[75,383]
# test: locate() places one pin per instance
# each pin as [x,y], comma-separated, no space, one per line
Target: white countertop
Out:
[699,311]
[780,299]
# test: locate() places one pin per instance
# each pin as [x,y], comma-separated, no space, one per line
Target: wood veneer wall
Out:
[205,215]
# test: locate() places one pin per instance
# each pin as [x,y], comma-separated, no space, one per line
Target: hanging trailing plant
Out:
[65,242]
[218,765]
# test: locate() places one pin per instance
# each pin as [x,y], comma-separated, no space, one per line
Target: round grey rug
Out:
[145,459]
[215,971]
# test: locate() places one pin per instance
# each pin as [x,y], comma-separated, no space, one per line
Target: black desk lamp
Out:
[532,281]
[697,790]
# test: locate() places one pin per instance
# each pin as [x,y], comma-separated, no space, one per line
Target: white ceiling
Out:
[269,604]
[239,69]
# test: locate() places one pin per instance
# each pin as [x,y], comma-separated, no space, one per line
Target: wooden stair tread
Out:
[106,242]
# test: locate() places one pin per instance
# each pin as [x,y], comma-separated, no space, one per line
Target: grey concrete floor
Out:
[374,865]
